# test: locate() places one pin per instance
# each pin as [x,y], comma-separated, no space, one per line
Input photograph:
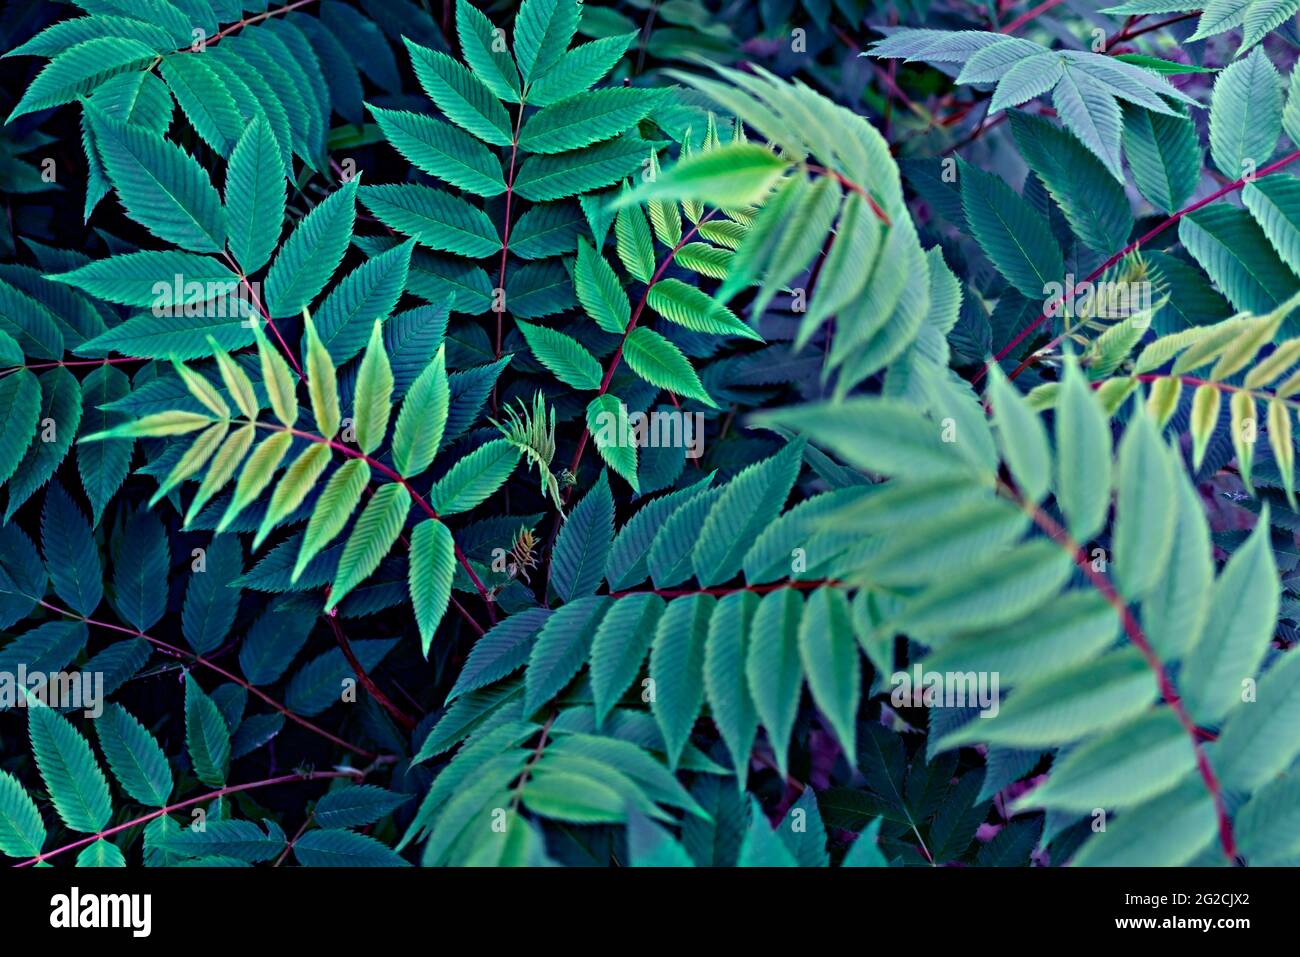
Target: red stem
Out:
[1028,15]
[217,669]
[1116,257]
[400,716]
[1139,640]
[284,346]
[210,796]
[399,479]
[246,22]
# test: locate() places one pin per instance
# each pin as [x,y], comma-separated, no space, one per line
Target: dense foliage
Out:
[702,432]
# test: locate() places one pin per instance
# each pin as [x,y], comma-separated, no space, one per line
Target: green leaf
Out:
[312,252]
[649,845]
[460,95]
[620,646]
[207,736]
[1167,831]
[240,840]
[694,309]
[299,479]
[433,565]
[1011,233]
[1243,613]
[1021,437]
[582,547]
[373,535]
[560,649]
[1145,511]
[634,244]
[160,185]
[475,477]
[1274,201]
[865,852]
[1267,825]
[61,405]
[1255,745]
[255,196]
[586,118]
[137,761]
[212,598]
[762,847]
[423,418]
[70,552]
[1087,107]
[579,68]
[79,69]
[1174,611]
[730,176]
[1245,115]
[322,386]
[22,832]
[725,653]
[1093,201]
[567,360]
[747,505]
[355,805]
[829,652]
[774,669]
[77,786]
[146,278]
[434,218]
[20,406]
[336,503]
[886,436]
[442,150]
[556,176]
[1232,248]
[1164,155]
[677,669]
[661,363]
[503,649]
[543,29]
[607,421]
[140,572]
[994,590]
[483,46]
[1067,706]
[374,391]
[205,101]
[1131,764]
[29,323]
[1083,455]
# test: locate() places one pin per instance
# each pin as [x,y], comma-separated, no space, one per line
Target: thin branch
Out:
[400,480]
[216,669]
[1028,15]
[246,22]
[1139,640]
[284,346]
[1115,258]
[400,716]
[190,802]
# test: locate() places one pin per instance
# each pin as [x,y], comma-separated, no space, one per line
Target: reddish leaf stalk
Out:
[1139,640]
[400,716]
[217,669]
[1116,257]
[190,802]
